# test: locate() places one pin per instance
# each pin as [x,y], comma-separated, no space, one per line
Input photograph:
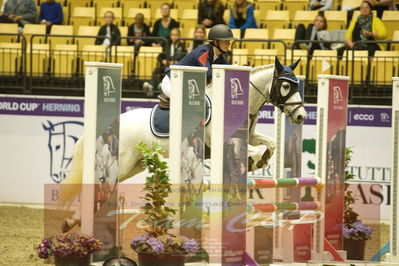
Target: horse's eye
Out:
[286,86]
[57,147]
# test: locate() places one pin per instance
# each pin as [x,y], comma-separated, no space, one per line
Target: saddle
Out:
[159,119]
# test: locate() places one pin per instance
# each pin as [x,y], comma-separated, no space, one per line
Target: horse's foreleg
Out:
[257,139]
[254,156]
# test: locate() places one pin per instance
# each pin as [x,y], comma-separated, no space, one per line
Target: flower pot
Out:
[72,261]
[168,259]
[354,249]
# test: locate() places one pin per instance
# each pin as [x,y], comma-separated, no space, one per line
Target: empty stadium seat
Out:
[39,55]
[294,5]
[189,19]
[78,3]
[336,20]
[240,57]
[293,56]
[124,55]
[384,66]
[131,14]
[9,29]
[92,53]
[10,58]
[264,57]
[286,35]
[65,15]
[276,19]
[329,56]
[117,15]
[86,31]
[154,4]
[83,16]
[264,5]
[304,17]
[146,61]
[64,60]
[255,34]
[181,5]
[34,29]
[128,4]
[60,30]
[391,22]
[124,31]
[395,38]
[99,4]
[359,61]
[350,4]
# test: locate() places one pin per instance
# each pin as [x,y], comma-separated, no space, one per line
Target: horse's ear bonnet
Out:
[286,72]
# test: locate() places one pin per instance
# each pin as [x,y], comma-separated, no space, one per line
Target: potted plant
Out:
[69,249]
[157,246]
[355,231]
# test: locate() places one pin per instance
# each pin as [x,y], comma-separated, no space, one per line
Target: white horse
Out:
[271,83]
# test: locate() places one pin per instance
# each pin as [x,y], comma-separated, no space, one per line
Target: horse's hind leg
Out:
[72,185]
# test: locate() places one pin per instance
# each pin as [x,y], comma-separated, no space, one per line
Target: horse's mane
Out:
[259,68]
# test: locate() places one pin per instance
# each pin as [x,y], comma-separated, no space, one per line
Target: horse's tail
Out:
[72,185]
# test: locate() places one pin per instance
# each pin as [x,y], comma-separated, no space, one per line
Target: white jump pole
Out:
[332,100]
[394,236]
[187,117]
[229,157]
[103,83]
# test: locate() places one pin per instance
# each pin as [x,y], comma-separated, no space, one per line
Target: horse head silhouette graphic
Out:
[61,142]
[236,88]
[108,86]
[193,90]
[337,95]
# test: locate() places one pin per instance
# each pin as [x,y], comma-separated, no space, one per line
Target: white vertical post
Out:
[332,100]
[229,140]
[103,83]
[395,172]
[187,146]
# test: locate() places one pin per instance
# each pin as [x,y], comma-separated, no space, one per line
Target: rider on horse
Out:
[203,56]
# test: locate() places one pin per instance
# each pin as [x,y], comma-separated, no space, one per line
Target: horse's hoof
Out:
[67,225]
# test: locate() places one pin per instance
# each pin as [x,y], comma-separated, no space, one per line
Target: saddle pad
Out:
[159,119]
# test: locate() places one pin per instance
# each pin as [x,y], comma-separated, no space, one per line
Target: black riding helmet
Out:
[220,32]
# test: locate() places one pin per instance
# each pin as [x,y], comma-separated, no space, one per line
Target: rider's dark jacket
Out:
[202,56]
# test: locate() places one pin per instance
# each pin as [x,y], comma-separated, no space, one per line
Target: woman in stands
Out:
[199,33]
[109,30]
[366,27]
[311,33]
[203,56]
[242,16]
[172,53]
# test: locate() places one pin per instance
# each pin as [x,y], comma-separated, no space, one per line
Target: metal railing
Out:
[39,70]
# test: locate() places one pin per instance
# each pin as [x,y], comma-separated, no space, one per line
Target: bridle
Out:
[275,96]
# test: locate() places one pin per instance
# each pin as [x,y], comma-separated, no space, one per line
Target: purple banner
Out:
[57,106]
[357,116]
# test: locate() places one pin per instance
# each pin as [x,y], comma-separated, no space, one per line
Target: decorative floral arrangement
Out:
[353,228]
[69,244]
[158,241]
[357,231]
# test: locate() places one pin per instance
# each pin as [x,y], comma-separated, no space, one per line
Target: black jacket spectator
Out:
[115,35]
[212,10]
[145,33]
[173,53]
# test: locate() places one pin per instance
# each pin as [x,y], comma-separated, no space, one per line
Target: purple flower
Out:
[156,245]
[357,231]
[139,239]
[190,245]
